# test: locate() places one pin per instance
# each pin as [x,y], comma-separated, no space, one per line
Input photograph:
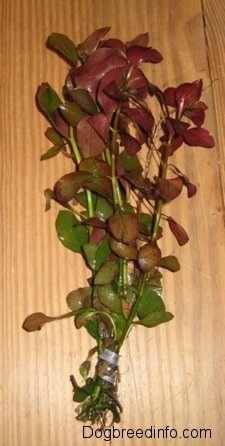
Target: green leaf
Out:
[64,46]
[54,137]
[170,262]
[120,322]
[84,100]
[48,101]
[96,255]
[103,208]
[92,328]
[85,368]
[72,234]
[51,152]
[109,298]
[145,223]
[150,302]
[72,113]
[79,298]
[81,393]
[155,318]
[130,162]
[107,272]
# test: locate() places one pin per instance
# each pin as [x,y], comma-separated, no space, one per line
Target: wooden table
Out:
[172,375]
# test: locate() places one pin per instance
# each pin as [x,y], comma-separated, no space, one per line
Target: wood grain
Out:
[172,375]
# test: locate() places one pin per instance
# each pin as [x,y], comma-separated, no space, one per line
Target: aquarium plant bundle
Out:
[120,132]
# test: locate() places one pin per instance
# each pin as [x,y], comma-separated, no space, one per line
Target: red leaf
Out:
[87,47]
[114,92]
[140,40]
[188,93]
[90,142]
[196,115]
[100,123]
[168,189]
[131,144]
[191,188]
[117,44]
[108,103]
[66,187]
[96,67]
[141,118]
[97,235]
[138,84]
[60,124]
[179,232]
[198,136]
[169,96]
[138,54]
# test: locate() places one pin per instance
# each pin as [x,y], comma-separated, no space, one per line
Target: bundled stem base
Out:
[99,394]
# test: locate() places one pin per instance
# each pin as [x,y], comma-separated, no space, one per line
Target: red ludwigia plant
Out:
[109,113]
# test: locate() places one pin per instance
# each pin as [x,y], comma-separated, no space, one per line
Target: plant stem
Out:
[78,158]
[141,286]
[74,146]
[160,202]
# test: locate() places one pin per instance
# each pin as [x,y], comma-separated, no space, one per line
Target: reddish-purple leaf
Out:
[60,124]
[89,141]
[131,144]
[96,67]
[97,235]
[138,54]
[66,187]
[109,103]
[117,44]
[176,142]
[101,185]
[90,44]
[114,92]
[141,118]
[95,166]
[179,232]
[169,262]
[95,222]
[100,124]
[196,115]
[191,188]
[140,40]
[169,96]
[188,93]
[168,189]
[138,83]
[198,136]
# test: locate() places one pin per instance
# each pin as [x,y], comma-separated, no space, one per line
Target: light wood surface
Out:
[172,375]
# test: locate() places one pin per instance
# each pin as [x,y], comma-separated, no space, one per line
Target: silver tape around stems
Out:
[110,379]
[110,357]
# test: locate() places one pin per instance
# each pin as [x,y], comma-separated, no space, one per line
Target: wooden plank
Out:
[214,21]
[172,375]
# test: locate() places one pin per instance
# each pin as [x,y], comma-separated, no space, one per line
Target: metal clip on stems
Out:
[107,366]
